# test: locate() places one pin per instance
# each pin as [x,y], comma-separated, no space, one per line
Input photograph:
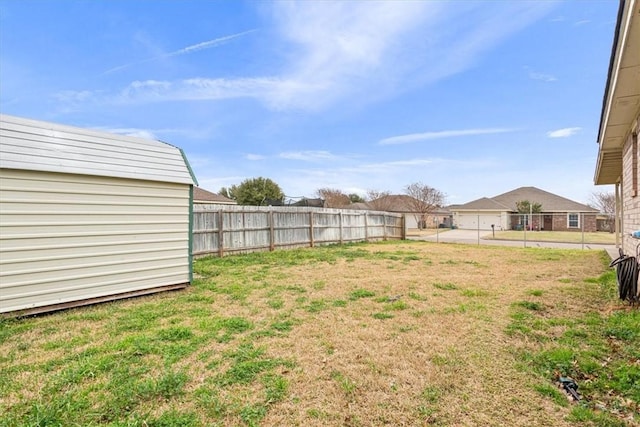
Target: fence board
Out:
[220,229]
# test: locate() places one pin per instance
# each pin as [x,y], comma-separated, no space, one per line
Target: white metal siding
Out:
[34,145]
[67,237]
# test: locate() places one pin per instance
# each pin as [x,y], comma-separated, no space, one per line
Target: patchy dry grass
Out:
[396,333]
[600,237]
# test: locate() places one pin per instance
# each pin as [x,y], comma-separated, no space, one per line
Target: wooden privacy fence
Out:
[220,230]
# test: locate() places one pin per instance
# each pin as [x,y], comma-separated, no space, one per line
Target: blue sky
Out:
[472,98]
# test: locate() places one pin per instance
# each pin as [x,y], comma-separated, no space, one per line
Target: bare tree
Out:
[424,200]
[605,202]
[379,200]
[333,197]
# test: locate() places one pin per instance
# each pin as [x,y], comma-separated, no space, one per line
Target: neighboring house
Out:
[618,154]
[359,206]
[314,203]
[404,204]
[202,196]
[558,213]
[89,216]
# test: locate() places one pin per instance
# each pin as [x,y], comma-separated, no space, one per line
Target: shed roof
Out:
[41,146]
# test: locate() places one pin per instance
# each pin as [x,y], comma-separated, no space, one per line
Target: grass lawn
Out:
[425,231]
[555,236]
[394,333]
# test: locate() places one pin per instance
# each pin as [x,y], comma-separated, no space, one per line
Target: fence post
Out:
[403,222]
[524,227]
[311,243]
[272,237]
[384,226]
[340,222]
[582,228]
[478,230]
[366,227]
[220,234]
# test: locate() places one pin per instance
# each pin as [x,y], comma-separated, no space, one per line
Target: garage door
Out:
[471,221]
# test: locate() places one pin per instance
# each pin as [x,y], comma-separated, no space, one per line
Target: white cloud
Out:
[72,96]
[193,89]
[371,50]
[563,133]
[541,76]
[308,156]
[360,51]
[139,133]
[194,133]
[414,137]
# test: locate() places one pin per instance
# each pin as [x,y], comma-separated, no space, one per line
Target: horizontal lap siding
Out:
[70,237]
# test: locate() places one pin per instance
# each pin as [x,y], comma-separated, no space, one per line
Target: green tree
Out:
[356,198]
[254,191]
[226,192]
[525,207]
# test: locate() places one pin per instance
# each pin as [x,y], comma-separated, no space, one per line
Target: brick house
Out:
[618,154]
[558,213]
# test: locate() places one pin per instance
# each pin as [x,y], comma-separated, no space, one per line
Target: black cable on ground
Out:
[627,270]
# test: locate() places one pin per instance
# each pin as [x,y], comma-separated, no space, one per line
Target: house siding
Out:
[66,237]
[630,198]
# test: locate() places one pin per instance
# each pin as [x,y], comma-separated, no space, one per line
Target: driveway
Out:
[473,237]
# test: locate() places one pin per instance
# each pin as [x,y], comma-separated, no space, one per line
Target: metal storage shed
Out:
[88,216]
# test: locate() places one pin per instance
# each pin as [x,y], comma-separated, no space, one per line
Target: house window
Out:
[573,220]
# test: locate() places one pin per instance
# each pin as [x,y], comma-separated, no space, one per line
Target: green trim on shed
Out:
[186,162]
[190,232]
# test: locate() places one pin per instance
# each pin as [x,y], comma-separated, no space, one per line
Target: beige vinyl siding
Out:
[66,237]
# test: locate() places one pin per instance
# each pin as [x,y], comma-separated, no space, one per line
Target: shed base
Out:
[91,301]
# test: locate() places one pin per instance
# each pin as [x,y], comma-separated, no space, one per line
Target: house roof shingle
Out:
[401,203]
[507,201]
[200,195]
[483,203]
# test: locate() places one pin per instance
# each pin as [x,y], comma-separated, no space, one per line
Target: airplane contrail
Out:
[189,49]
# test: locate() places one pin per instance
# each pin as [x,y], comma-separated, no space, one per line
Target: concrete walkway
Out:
[472,237]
